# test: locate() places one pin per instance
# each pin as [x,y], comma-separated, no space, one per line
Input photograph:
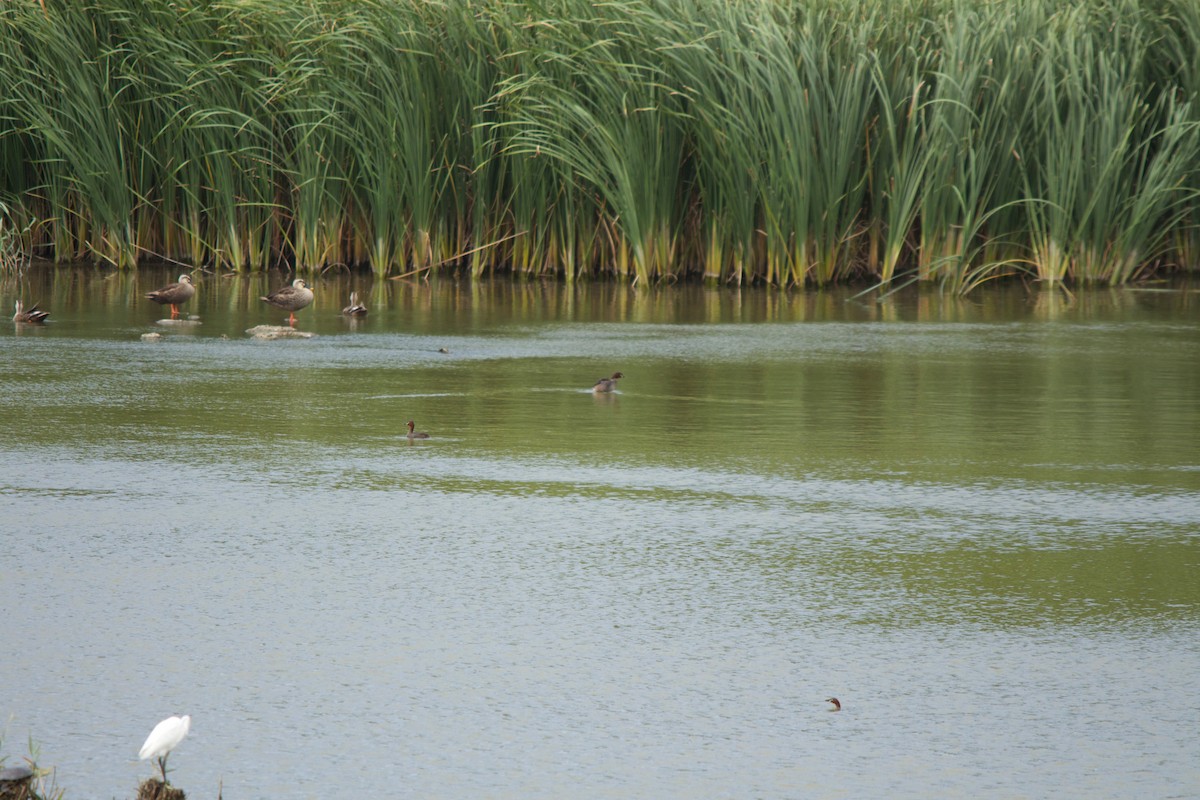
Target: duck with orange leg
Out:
[174,294]
[291,298]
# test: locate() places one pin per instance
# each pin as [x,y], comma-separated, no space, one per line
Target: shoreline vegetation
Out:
[778,142]
[28,781]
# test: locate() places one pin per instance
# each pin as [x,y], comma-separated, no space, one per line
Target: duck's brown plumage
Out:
[291,298]
[412,434]
[174,294]
[355,309]
[34,314]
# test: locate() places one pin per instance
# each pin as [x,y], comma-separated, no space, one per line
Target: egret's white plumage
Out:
[163,739]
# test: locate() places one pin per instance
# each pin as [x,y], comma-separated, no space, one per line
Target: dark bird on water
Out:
[413,434]
[174,294]
[34,314]
[607,384]
[355,309]
[291,298]
[837,704]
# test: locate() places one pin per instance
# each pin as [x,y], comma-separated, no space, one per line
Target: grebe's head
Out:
[411,425]
[837,704]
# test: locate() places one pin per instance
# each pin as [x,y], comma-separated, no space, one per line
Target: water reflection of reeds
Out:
[474,305]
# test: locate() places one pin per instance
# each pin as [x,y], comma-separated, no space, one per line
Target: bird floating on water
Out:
[34,315]
[837,704]
[291,298]
[174,294]
[414,434]
[163,739]
[607,384]
[355,309]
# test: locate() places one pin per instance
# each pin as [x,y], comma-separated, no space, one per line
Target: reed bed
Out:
[790,142]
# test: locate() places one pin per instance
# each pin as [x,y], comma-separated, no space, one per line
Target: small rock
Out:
[190,322]
[277,332]
[15,774]
[152,337]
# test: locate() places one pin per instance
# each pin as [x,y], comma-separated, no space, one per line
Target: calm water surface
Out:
[976,522]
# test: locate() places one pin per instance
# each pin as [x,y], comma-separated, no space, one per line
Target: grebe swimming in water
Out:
[415,434]
[607,384]
[837,704]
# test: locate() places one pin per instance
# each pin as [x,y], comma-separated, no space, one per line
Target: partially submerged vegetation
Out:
[25,780]
[792,142]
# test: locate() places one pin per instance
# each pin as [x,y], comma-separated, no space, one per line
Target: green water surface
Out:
[938,508]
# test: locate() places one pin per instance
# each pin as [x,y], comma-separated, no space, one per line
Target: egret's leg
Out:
[162,764]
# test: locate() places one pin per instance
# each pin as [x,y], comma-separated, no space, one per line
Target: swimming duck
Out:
[291,298]
[355,309]
[34,314]
[607,384]
[412,434]
[837,704]
[173,294]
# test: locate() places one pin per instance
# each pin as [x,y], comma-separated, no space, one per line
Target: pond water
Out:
[976,522]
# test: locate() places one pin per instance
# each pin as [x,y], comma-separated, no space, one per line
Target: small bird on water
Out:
[837,704]
[34,315]
[173,294]
[355,309]
[414,434]
[607,384]
[291,298]
[163,739]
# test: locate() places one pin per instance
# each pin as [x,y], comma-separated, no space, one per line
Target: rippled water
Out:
[975,522]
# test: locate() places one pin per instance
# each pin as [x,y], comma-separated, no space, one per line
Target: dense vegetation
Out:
[785,141]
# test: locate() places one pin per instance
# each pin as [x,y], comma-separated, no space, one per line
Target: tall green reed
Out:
[1109,160]
[790,143]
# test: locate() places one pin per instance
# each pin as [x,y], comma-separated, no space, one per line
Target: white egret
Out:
[163,739]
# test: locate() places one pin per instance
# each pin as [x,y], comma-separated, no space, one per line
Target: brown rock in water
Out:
[154,789]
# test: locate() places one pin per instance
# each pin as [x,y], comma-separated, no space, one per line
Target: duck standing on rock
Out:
[607,384]
[174,294]
[291,298]
[34,315]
